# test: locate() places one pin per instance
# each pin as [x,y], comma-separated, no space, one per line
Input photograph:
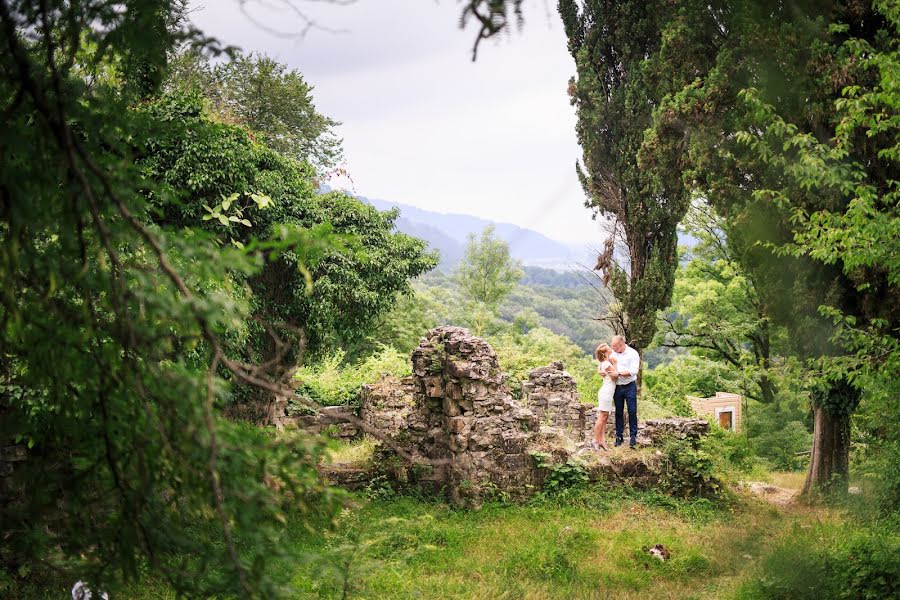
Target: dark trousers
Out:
[626,395]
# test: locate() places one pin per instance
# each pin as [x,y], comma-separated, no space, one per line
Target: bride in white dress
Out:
[606,367]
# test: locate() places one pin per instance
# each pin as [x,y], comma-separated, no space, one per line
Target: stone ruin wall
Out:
[471,439]
[465,422]
[552,395]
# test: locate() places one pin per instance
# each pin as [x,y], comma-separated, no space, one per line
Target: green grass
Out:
[583,543]
[586,544]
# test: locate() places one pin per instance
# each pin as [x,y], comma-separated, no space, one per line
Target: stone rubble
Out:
[551,394]
[468,436]
[472,440]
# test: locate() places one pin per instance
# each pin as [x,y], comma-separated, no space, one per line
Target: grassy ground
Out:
[589,544]
[586,543]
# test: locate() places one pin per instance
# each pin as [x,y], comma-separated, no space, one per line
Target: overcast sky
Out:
[421,123]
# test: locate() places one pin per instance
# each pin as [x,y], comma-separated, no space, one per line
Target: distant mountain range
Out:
[448,233]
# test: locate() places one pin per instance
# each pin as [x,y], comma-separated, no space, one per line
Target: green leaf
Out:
[262,200]
[228,201]
[223,219]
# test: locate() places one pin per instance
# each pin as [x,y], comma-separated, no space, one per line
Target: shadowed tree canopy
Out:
[155,262]
[216,177]
[717,308]
[786,118]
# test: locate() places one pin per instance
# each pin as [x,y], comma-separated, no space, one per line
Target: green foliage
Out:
[262,95]
[803,179]
[137,300]
[564,308]
[833,564]
[877,422]
[402,327]
[573,311]
[332,381]
[560,476]
[218,167]
[732,453]
[718,310]
[784,444]
[689,375]
[487,273]
[690,470]
[519,353]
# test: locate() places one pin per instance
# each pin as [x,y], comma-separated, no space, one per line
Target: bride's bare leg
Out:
[600,428]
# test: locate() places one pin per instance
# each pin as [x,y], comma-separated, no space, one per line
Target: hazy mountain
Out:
[448,233]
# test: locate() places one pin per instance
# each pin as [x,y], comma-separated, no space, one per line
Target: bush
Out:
[690,470]
[561,476]
[520,352]
[731,451]
[860,564]
[781,446]
[334,382]
[669,384]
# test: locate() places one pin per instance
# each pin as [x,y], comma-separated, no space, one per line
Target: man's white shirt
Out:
[630,361]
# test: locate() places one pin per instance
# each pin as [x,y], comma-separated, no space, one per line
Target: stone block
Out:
[460,425]
[434,387]
[451,407]
[514,443]
[515,462]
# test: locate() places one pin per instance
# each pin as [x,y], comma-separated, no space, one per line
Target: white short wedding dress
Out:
[605,395]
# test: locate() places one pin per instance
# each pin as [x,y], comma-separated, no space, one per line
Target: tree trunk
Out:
[640,373]
[829,463]
[768,391]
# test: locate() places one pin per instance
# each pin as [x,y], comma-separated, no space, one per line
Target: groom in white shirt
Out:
[627,366]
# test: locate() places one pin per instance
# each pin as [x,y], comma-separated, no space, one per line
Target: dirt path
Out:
[772,494]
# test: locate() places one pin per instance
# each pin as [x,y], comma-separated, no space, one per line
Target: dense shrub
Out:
[830,563]
[336,382]
[690,470]
[689,375]
[520,352]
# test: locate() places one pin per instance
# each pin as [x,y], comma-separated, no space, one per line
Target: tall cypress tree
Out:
[616,93]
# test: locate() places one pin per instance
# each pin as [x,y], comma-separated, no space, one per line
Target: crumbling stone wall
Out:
[465,422]
[552,395]
[650,432]
[330,419]
[386,404]
[472,440]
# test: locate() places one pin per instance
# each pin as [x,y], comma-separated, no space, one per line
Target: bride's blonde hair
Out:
[601,352]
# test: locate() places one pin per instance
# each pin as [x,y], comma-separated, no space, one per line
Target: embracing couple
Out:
[619,364]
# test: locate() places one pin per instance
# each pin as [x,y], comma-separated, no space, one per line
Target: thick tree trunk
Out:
[768,391]
[829,463]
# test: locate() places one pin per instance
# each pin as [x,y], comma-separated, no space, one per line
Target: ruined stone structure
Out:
[471,439]
[465,421]
[386,405]
[333,420]
[551,394]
